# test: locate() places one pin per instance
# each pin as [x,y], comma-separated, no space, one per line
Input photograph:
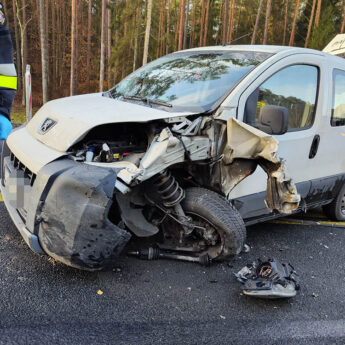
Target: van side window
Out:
[338,108]
[295,88]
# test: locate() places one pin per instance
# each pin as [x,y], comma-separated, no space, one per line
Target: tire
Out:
[218,212]
[336,209]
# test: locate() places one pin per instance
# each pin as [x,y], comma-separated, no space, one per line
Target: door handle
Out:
[314,146]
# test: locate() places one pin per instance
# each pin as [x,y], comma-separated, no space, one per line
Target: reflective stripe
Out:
[8,69]
[8,82]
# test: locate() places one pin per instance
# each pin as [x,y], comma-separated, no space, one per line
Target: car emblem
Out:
[46,125]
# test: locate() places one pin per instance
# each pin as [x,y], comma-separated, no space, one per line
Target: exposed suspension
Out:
[166,190]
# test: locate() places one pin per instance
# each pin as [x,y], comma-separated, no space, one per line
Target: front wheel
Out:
[224,231]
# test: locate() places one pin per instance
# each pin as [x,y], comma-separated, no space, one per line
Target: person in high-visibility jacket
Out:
[8,77]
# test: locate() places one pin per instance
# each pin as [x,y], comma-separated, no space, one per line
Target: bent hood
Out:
[74,116]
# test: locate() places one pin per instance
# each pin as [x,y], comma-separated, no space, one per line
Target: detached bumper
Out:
[63,211]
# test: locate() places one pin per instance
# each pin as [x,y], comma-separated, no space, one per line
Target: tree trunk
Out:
[65,24]
[168,29]
[137,24]
[77,24]
[343,21]
[160,30]
[109,45]
[207,11]
[88,56]
[267,20]
[192,29]
[185,29]
[285,20]
[73,47]
[310,24]
[22,26]
[147,31]
[318,12]
[181,26]
[202,23]
[17,38]
[53,50]
[225,20]
[256,26]
[162,43]
[24,49]
[44,52]
[231,21]
[103,36]
[292,35]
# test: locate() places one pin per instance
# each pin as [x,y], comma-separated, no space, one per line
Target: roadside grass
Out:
[18,114]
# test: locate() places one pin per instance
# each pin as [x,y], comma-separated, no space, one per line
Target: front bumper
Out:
[63,210]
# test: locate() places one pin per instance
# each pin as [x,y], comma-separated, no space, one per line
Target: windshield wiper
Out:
[147,100]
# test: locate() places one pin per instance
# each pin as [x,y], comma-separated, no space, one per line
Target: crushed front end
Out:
[81,201]
[63,210]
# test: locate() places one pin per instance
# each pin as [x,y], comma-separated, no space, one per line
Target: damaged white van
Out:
[185,148]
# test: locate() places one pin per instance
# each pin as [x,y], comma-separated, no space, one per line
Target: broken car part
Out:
[249,143]
[156,253]
[268,279]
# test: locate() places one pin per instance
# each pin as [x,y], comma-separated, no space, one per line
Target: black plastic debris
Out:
[268,279]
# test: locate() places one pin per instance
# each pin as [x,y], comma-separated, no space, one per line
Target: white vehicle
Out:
[186,146]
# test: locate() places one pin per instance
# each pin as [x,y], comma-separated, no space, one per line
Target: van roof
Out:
[265,49]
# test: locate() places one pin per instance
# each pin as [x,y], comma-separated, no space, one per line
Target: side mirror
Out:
[273,119]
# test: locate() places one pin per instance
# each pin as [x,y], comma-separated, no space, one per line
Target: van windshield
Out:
[188,81]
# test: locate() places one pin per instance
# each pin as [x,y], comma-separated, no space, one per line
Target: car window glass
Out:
[338,109]
[295,88]
[189,81]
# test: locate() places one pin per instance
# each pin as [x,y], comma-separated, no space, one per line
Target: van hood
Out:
[73,117]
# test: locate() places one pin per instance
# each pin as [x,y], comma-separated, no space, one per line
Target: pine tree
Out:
[256,26]
[44,53]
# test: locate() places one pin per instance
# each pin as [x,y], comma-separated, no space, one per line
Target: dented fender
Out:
[246,147]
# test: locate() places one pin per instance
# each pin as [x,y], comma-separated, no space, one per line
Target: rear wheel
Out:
[336,209]
[221,228]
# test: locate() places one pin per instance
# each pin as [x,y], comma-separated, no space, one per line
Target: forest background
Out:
[82,46]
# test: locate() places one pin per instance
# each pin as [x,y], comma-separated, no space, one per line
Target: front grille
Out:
[18,165]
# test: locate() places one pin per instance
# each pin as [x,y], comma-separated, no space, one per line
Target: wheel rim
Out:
[342,206]
[213,251]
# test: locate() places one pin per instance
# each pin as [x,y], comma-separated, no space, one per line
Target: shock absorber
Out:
[166,190]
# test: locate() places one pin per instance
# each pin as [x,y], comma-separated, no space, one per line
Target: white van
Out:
[186,147]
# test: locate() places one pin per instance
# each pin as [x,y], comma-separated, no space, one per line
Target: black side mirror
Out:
[273,119]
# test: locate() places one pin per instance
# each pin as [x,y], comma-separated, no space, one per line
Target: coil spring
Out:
[167,190]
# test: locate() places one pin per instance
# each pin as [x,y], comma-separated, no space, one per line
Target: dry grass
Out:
[18,114]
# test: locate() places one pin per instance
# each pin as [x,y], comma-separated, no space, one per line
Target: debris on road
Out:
[99,292]
[246,248]
[268,279]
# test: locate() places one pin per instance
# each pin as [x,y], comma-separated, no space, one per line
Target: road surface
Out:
[167,302]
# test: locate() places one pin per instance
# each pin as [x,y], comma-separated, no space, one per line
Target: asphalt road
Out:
[166,302]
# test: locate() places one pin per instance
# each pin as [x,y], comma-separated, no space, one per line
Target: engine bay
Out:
[111,143]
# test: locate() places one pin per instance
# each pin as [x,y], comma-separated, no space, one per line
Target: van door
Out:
[331,154]
[298,84]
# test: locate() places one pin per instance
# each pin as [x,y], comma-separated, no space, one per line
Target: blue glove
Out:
[5,127]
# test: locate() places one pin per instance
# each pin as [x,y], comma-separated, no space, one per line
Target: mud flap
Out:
[74,226]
